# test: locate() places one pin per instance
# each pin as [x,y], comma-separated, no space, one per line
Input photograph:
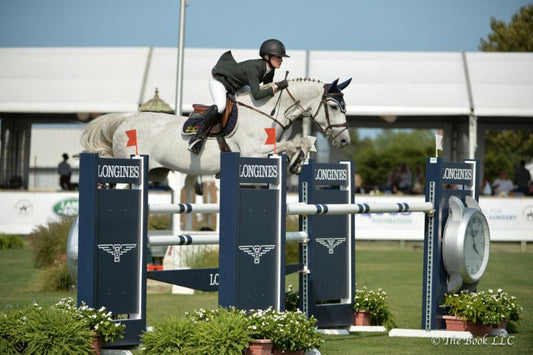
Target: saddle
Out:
[222,129]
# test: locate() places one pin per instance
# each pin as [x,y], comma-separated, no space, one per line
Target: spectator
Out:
[502,185]
[405,179]
[359,184]
[65,171]
[487,189]
[418,181]
[394,177]
[522,177]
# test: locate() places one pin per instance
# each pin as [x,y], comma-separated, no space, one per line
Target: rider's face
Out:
[276,61]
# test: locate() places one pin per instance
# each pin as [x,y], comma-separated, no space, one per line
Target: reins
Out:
[327,131]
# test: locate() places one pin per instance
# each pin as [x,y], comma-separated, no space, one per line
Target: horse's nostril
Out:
[343,142]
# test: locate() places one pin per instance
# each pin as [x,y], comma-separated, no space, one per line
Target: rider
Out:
[228,76]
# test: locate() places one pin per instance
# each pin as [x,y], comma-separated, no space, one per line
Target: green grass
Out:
[395,268]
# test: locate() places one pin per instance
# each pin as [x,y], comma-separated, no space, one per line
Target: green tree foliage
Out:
[505,149]
[517,36]
[375,159]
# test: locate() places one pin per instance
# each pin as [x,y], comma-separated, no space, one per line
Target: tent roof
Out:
[114,79]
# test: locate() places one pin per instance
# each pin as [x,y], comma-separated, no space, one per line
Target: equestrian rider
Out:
[228,76]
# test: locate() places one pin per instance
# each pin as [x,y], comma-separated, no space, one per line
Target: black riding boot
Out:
[197,141]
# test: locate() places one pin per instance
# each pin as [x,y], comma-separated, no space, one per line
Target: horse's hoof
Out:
[295,166]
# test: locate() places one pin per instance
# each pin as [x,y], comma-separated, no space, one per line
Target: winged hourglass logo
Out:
[330,243]
[116,249]
[257,251]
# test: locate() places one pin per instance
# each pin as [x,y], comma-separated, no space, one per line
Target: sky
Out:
[353,25]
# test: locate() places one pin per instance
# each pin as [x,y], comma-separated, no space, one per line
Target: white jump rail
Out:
[204,238]
[358,208]
[183,208]
[307,209]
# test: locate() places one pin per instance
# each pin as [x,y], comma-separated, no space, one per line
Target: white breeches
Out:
[218,94]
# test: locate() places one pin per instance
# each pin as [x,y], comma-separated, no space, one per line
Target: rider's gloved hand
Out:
[282,84]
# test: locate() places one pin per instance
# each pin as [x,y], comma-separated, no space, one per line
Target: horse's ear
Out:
[333,86]
[342,86]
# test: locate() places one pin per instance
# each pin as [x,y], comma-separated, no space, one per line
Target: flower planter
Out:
[97,345]
[260,347]
[361,318]
[287,352]
[458,324]
[502,325]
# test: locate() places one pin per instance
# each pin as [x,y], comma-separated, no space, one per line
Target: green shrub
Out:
[56,278]
[220,331]
[12,332]
[49,242]
[11,241]
[205,259]
[159,221]
[292,299]
[55,331]
[98,321]
[168,336]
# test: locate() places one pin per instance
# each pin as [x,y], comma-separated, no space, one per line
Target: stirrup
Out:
[195,146]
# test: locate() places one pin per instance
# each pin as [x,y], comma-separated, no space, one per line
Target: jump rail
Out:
[359,208]
[203,238]
[307,209]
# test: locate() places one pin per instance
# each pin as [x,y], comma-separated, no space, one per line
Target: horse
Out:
[159,135]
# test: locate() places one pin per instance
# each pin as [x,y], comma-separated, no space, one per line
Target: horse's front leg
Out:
[297,151]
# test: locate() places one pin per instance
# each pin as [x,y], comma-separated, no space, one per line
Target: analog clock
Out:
[466,244]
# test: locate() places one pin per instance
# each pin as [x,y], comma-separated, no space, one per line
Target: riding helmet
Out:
[272,47]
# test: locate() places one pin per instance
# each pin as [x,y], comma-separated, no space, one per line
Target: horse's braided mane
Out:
[305,79]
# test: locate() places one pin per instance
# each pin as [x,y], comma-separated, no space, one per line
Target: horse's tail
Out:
[98,135]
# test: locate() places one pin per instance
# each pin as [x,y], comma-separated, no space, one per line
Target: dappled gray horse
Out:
[159,135]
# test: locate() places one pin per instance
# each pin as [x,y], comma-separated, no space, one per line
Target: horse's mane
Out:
[306,79]
[246,90]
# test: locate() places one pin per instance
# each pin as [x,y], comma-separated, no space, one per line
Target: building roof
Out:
[119,79]
[155,104]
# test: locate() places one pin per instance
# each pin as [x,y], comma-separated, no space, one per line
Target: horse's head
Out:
[330,118]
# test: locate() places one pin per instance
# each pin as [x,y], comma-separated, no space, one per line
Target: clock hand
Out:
[475,249]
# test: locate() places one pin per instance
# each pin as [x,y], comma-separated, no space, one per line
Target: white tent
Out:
[73,80]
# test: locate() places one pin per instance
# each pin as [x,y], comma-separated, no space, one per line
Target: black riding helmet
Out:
[272,47]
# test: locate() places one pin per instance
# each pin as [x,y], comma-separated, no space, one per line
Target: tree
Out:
[515,37]
[376,158]
[505,149]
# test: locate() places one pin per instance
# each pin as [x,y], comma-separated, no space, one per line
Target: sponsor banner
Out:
[22,212]
[330,174]
[457,173]
[258,171]
[119,171]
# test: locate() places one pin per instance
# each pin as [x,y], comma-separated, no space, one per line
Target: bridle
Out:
[326,96]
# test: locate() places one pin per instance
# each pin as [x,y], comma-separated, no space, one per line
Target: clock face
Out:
[474,247]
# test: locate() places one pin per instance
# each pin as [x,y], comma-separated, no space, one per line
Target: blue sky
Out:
[374,25]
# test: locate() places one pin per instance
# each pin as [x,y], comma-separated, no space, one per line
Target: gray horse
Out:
[160,136]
